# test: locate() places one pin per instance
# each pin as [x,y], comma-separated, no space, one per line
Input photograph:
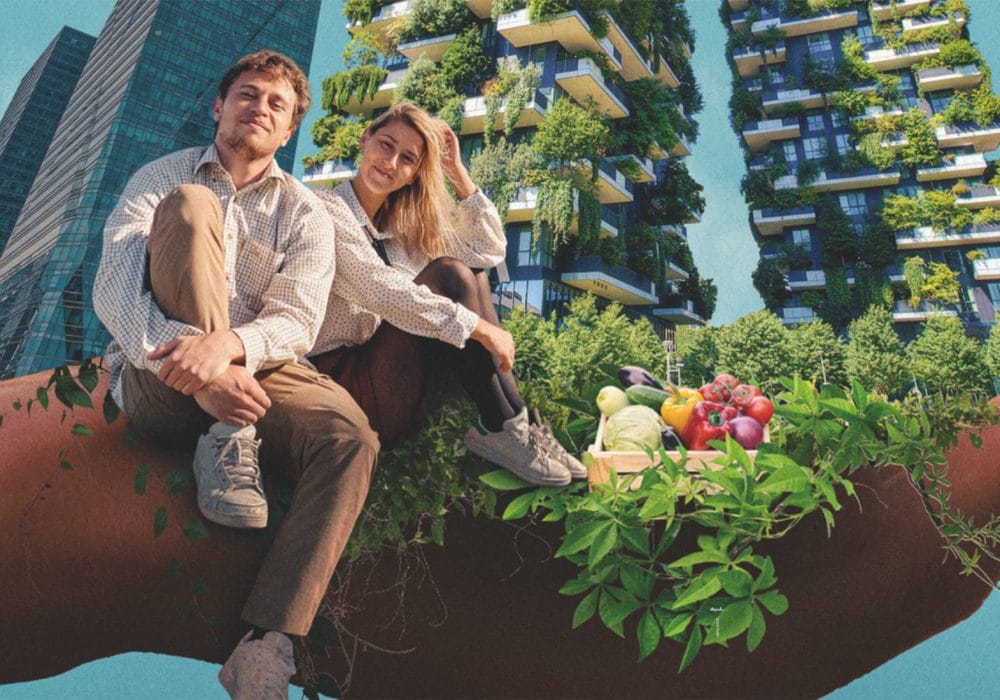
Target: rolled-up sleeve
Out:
[480,241]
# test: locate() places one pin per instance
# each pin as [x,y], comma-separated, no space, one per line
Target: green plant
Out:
[499,170]
[571,133]
[360,82]
[875,356]
[697,349]
[435,18]
[464,65]
[514,85]
[423,85]
[769,281]
[945,361]
[921,147]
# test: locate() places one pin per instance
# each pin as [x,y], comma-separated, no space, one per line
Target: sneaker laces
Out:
[238,457]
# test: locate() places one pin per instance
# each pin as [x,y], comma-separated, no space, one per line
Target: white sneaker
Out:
[228,477]
[576,468]
[518,449]
[259,669]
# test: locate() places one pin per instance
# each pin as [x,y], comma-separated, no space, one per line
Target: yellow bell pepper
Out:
[676,411]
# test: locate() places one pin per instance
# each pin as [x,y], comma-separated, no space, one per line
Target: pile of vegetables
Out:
[644,414]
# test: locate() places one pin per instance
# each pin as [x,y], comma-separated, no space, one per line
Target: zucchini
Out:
[646,396]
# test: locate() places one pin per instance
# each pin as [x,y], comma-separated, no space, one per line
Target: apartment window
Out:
[837,119]
[819,43]
[865,34]
[853,203]
[843,144]
[790,155]
[800,236]
[775,76]
[814,148]
[940,100]
[528,254]
[814,122]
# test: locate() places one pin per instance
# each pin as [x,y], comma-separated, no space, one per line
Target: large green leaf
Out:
[775,602]
[586,608]
[649,633]
[702,587]
[604,541]
[503,480]
[734,619]
[581,537]
[692,648]
[787,478]
[755,633]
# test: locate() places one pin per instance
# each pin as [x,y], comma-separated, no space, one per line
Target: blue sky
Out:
[963,662]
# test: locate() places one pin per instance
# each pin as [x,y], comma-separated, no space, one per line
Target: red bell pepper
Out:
[709,421]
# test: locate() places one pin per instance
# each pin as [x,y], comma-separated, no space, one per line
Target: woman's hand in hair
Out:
[497,342]
[451,162]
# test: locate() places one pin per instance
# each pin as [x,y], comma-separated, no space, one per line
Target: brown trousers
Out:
[313,432]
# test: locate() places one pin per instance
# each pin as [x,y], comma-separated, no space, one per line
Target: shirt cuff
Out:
[467,321]
[253,347]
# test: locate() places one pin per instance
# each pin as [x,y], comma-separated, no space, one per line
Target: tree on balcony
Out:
[933,282]
[513,85]
[362,11]
[500,168]
[653,119]
[673,198]
[702,292]
[596,11]
[429,18]
[337,137]
[424,85]
[921,147]
[464,65]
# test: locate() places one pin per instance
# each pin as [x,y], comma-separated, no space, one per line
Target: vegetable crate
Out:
[633,462]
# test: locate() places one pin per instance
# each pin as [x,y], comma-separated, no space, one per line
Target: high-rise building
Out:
[31,118]
[573,116]
[146,90]
[865,124]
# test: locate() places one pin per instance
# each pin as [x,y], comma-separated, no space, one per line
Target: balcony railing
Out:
[749,59]
[982,138]
[797,314]
[798,26]
[772,222]
[912,25]
[903,57]
[759,135]
[571,29]
[773,98]
[987,269]
[949,78]
[680,310]
[613,282]
[383,20]
[882,9]
[979,197]
[927,237]
[964,165]
[474,112]
[328,173]
[902,312]
[799,280]
[432,46]
[582,78]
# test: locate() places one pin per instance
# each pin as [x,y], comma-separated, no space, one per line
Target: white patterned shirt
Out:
[279,259]
[365,290]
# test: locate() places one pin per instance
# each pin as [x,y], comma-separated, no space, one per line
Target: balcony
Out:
[862,178]
[986,270]
[979,197]
[749,59]
[609,223]
[799,26]
[797,314]
[675,230]
[882,9]
[480,8]
[773,98]
[474,113]
[679,310]
[903,57]
[582,79]
[982,138]
[912,25]
[386,21]
[949,78]
[682,148]
[738,21]
[433,47]
[666,74]
[673,271]
[772,222]
[877,112]
[646,172]
[760,135]
[693,217]
[904,313]
[570,29]
[634,66]
[801,280]
[329,174]
[522,207]
[965,165]
[926,237]
[739,5]
[611,282]
[613,186]
[382,98]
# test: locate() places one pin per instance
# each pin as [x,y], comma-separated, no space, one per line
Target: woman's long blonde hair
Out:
[419,215]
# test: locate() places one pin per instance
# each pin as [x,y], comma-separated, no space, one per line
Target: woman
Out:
[411,299]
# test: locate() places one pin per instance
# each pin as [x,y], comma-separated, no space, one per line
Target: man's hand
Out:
[194,361]
[235,397]
[497,341]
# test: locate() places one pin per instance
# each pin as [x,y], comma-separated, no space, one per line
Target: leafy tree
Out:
[423,85]
[464,65]
[769,281]
[673,198]
[836,308]
[339,138]
[652,118]
[500,168]
[945,360]
[534,338]
[921,147]
[755,349]
[571,133]
[992,351]
[702,292]
[697,348]
[875,355]
[436,18]
[805,342]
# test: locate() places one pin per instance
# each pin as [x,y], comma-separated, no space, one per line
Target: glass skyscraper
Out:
[146,90]
[31,119]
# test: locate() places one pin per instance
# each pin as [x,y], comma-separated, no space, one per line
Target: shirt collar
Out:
[346,192]
[211,155]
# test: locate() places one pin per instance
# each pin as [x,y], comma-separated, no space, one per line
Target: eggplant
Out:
[630,375]
[669,439]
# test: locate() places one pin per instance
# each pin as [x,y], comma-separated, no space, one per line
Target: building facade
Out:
[146,90]
[865,125]
[573,117]
[31,119]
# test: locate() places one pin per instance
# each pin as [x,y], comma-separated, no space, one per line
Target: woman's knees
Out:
[450,277]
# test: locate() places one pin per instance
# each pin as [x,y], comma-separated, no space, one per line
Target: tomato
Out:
[725,383]
[743,394]
[760,408]
[711,392]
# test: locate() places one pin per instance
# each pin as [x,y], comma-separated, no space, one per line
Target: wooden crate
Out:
[633,462]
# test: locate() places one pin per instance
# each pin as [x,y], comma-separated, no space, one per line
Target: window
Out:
[853,203]
[843,144]
[837,119]
[800,236]
[865,34]
[819,43]
[774,76]
[790,155]
[814,148]
[814,122]
[528,254]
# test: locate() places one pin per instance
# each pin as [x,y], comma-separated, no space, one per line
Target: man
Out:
[213,281]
